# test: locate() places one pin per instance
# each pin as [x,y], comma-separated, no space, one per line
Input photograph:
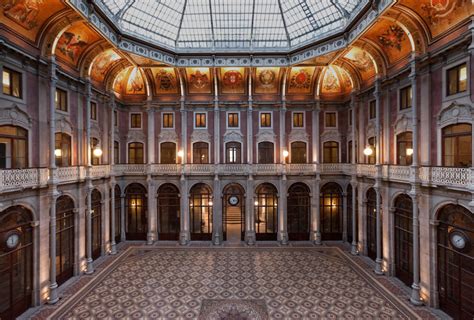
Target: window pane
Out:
[16,84]
[462,78]
[6,82]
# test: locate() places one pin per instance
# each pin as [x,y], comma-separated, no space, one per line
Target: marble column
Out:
[151,211]
[151,208]
[355,236]
[354,175]
[122,216]
[184,235]
[52,182]
[282,212]
[217,213]
[344,216]
[378,178]
[415,188]
[250,236]
[316,209]
[113,244]
[89,185]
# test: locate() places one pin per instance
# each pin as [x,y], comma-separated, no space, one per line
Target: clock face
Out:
[233,200]
[459,240]
[13,240]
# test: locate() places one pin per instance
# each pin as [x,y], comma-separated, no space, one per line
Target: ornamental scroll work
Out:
[15,116]
[456,113]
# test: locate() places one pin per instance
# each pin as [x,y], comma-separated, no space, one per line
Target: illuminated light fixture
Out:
[57,152]
[133,203]
[211,203]
[97,152]
[180,153]
[256,203]
[285,153]
[409,151]
[368,151]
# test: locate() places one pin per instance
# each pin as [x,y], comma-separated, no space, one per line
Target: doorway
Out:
[233,223]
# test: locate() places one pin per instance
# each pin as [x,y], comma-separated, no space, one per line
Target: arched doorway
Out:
[350,236]
[96,223]
[136,208]
[234,213]
[372,224]
[331,211]
[16,261]
[200,209]
[117,212]
[403,231]
[266,212]
[168,212]
[298,208]
[456,261]
[64,239]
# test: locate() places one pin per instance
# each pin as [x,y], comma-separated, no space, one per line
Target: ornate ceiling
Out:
[84,45]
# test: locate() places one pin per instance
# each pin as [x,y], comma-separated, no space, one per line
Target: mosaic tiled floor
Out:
[230,283]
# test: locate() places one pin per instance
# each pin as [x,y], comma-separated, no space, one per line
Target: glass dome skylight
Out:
[239,25]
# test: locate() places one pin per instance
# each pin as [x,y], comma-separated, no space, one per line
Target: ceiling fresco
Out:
[362,61]
[440,15]
[102,64]
[74,41]
[28,16]
[165,80]
[199,80]
[390,36]
[130,82]
[266,80]
[300,80]
[335,81]
[233,80]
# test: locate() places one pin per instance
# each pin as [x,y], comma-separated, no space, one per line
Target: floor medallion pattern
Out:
[233,283]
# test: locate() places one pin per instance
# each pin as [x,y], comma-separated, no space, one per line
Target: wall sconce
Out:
[97,152]
[285,153]
[180,153]
[368,151]
[409,151]
[256,203]
[57,152]
[211,203]
[133,203]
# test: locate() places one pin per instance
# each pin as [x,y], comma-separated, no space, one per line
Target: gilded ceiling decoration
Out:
[266,80]
[301,80]
[74,41]
[199,80]
[130,81]
[233,80]
[101,64]
[165,80]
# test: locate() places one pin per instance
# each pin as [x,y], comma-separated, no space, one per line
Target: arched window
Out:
[372,223]
[63,149]
[266,212]
[298,152]
[168,153]
[331,212]
[404,148]
[457,145]
[13,147]
[117,211]
[233,152]
[200,208]
[372,158]
[201,152]
[403,225]
[136,208]
[16,261]
[96,222]
[135,153]
[65,236]
[299,207]
[94,159]
[350,236]
[456,261]
[331,152]
[266,152]
[168,212]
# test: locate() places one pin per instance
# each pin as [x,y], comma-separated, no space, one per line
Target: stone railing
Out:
[18,179]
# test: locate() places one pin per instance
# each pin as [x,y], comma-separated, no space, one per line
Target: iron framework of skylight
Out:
[237,25]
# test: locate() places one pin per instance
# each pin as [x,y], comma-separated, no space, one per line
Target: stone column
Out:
[354,175]
[89,185]
[122,216]
[184,235]
[415,186]
[113,245]
[250,236]
[217,213]
[316,212]
[151,212]
[378,178]
[282,212]
[151,209]
[54,194]
[250,133]
[344,216]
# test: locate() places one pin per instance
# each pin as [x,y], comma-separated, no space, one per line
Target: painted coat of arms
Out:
[23,12]
[393,37]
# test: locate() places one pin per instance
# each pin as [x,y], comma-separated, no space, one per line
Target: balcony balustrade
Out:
[456,178]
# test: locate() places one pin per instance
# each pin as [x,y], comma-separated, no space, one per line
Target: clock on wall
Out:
[233,200]
[12,239]
[459,240]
